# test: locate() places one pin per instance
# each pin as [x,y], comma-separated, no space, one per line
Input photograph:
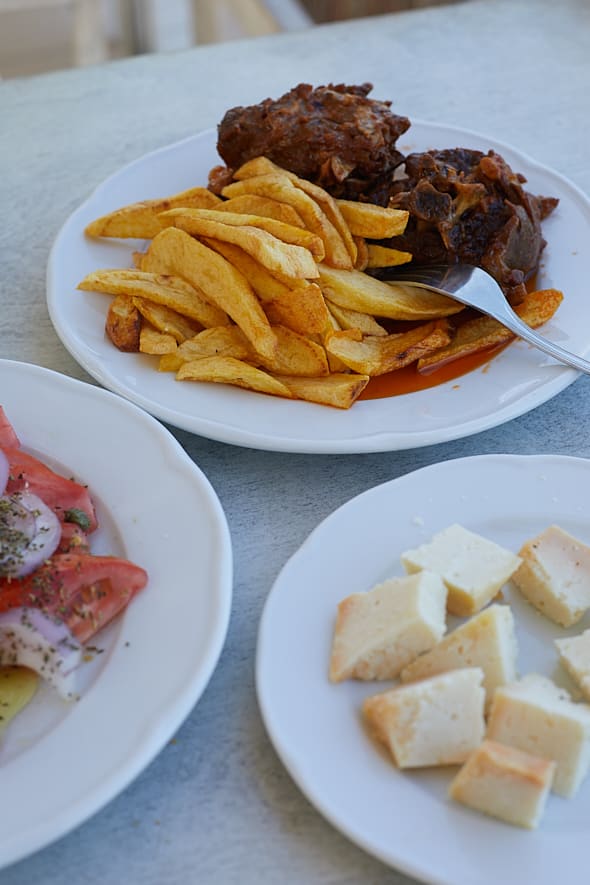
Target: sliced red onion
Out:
[29,534]
[30,638]
[4,471]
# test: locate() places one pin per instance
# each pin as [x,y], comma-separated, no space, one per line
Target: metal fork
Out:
[476,288]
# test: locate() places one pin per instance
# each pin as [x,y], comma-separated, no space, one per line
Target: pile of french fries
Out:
[265,287]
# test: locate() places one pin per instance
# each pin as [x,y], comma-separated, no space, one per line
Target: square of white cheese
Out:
[537,716]
[574,654]
[555,575]
[473,568]
[506,783]
[380,631]
[486,640]
[437,721]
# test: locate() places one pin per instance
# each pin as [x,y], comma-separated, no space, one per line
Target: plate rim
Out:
[409,867]
[372,442]
[42,833]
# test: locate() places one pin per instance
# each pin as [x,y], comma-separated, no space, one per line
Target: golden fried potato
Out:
[295,354]
[358,291]
[227,370]
[372,221]
[287,233]
[301,309]
[281,258]
[140,220]
[372,355]
[264,166]
[167,289]
[155,342]
[166,320]
[123,324]
[252,204]
[484,332]
[17,688]
[338,390]
[352,319]
[220,281]
[279,187]
[362,253]
[382,256]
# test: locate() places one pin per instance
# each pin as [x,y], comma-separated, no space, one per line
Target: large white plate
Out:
[405,819]
[515,382]
[60,763]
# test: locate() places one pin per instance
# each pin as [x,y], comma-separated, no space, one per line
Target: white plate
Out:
[60,763]
[405,819]
[516,381]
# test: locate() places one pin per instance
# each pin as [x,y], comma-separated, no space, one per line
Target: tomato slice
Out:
[8,437]
[58,492]
[83,591]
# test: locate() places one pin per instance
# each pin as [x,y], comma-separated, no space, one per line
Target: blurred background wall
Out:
[44,35]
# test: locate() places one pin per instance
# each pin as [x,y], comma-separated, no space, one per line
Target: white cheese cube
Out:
[473,568]
[380,631]
[487,640]
[555,575]
[574,653]
[437,721]
[505,783]
[537,716]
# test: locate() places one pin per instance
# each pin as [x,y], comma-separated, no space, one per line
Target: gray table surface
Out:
[216,805]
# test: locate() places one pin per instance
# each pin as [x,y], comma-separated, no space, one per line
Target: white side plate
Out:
[405,818]
[514,382]
[60,763]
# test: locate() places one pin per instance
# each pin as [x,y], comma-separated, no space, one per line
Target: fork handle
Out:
[513,322]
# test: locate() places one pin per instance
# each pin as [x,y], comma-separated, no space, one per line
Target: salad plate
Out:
[405,818]
[512,383]
[146,670]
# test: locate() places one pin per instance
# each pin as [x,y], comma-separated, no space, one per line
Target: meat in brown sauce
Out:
[467,206]
[464,205]
[332,135]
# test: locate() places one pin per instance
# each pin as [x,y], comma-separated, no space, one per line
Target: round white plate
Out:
[60,763]
[516,381]
[405,818]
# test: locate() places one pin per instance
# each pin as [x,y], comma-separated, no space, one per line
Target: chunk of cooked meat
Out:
[471,207]
[332,135]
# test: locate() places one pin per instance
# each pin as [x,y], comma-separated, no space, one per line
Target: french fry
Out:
[372,355]
[301,309]
[483,332]
[279,187]
[227,370]
[338,390]
[264,166]
[220,281]
[279,257]
[123,324]
[251,204]
[170,290]
[382,256]
[358,291]
[140,220]
[166,320]
[372,221]
[352,319]
[287,233]
[362,253]
[154,342]
[295,355]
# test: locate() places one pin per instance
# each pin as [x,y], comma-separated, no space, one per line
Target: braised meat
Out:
[471,207]
[332,135]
